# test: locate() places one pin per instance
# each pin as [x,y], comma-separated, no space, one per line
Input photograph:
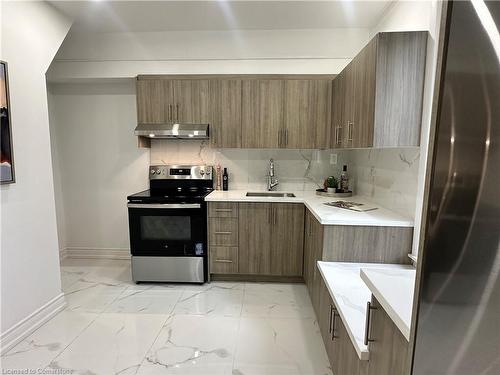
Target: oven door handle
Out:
[165,205]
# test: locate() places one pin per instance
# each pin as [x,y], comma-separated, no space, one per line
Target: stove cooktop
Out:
[170,196]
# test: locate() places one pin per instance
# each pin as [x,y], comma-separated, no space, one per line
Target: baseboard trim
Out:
[31,323]
[96,253]
[63,254]
[256,278]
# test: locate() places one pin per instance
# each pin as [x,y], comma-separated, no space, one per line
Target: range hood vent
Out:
[172,131]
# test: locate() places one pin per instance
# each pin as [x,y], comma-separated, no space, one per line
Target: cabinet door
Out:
[389,348]
[151,102]
[254,238]
[338,100]
[360,131]
[307,113]
[347,360]
[287,249]
[317,245]
[308,251]
[262,113]
[191,101]
[349,103]
[325,320]
[225,113]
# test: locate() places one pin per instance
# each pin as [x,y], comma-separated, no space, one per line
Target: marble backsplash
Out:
[387,176]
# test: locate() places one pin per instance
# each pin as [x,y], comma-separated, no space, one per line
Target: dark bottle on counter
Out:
[344,180]
[225,180]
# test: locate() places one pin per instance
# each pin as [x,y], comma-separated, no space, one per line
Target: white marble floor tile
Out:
[42,346]
[112,344]
[275,300]
[280,347]
[91,297]
[112,325]
[216,285]
[210,302]
[151,300]
[194,345]
[70,275]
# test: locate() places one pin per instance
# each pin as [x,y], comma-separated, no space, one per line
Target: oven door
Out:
[173,229]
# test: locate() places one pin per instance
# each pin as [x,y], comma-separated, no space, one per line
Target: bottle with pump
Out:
[225,180]
[344,180]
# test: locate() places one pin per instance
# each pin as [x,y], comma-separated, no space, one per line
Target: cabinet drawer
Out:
[223,259]
[223,209]
[223,231]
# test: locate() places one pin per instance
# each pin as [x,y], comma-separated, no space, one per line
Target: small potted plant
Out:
[331,184]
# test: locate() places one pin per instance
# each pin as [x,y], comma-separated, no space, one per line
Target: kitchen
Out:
[262,270]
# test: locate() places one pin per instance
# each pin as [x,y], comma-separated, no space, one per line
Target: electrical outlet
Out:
[333,159]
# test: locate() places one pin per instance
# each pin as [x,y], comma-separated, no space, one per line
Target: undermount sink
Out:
[271,194]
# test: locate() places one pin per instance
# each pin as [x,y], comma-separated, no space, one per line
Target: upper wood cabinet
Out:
[151,102]
[377,98]
[307,113]
[286,113]
[163,100]
[225,113]
[190,100]
[262,113]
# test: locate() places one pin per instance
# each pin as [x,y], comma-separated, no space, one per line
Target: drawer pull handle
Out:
[223,261]
[223,210]
[369,308]
[223,232]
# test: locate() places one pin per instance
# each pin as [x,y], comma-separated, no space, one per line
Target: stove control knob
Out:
[202,172]
[158,171]
[152,171]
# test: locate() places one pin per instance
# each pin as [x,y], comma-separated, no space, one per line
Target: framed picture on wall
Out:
[6,154]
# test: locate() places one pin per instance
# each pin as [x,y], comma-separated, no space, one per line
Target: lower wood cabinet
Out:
[224,259]
[388,347]
[287,238]
[255,238]
[341,353]
[313,252]
[267,237]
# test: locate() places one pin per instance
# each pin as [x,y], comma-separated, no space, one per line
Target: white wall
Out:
[418,15]
[98,163]
[31,33]
[124,55]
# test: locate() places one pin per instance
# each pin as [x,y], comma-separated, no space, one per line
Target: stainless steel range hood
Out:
[172,131]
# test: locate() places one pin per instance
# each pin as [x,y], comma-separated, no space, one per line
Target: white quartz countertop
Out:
[394,289]
[350,295]
[326,215]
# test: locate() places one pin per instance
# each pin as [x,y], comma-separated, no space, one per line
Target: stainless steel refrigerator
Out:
[458,323]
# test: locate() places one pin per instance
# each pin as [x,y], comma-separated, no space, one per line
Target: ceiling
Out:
[143,16]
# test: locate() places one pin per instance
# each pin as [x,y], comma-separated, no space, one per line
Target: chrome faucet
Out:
[271,180]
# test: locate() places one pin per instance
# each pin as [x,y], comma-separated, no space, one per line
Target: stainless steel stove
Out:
[168,225]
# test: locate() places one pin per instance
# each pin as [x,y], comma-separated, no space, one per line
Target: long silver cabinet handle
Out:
[334,320]
[369,308]
[223,261]
[330,319]
[223,210]
[223,232]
